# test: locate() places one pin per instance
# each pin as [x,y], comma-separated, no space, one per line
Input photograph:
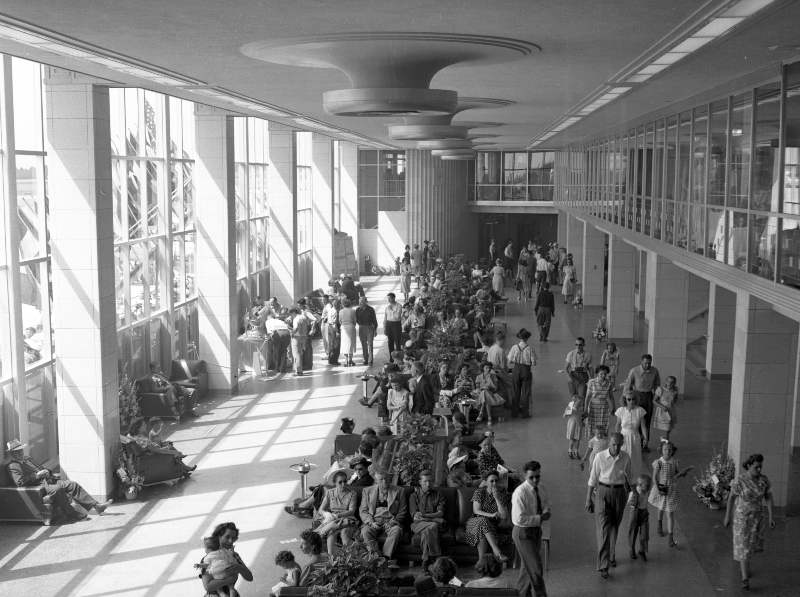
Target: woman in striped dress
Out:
[664,494]
[599,403]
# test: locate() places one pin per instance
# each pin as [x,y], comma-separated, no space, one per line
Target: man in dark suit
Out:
[423,398]
[545,310]
[383,511]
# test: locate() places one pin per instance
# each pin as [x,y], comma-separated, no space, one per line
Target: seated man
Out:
[426,506]
[383,509]
[181,399]
[24,472]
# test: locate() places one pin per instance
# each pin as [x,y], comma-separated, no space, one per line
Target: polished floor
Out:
[243,446]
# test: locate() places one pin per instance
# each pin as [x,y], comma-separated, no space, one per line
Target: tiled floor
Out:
[244,444]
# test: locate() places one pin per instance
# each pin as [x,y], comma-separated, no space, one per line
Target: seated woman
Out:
[139,432]
[488,457]
[463,384]
[490,506]
[338,512]
[486,384]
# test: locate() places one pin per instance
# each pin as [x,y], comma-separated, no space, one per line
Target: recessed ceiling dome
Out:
[422,128]
[389,72]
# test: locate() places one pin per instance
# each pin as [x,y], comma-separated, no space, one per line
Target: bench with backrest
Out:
[22,504]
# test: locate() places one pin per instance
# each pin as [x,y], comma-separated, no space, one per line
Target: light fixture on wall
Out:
[389,72]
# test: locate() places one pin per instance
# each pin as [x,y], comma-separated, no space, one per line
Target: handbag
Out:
[663,488]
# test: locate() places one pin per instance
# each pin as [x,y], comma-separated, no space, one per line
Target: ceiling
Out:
[583,44]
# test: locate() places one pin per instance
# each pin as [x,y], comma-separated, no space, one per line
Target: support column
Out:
[216,247]
[762,390]
[620,308]
[593,265]
[721,333]
[666,312]
[348,195]
[322,209]
[82,245]
[283,213]
[575,247]
[561,229]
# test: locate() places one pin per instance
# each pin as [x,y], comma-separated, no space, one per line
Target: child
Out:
[291,575]
[640,517]
[597,444]
[601,330]
[666,396]
[574,415]
[216,563]
[577,303]
[664,493]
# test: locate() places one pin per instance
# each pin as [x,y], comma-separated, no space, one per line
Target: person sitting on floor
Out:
[139,432]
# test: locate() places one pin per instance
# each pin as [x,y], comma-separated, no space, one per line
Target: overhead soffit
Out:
[583,44]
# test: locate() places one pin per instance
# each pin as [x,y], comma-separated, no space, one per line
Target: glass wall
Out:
[304,239]
[513,176]
[721,180]
[381,185]
[153,154]
[251,158]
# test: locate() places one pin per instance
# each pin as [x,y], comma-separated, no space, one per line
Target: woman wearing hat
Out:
[458,476]
[338,512]
[522,358]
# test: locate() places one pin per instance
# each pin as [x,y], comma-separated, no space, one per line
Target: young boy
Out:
[640,517]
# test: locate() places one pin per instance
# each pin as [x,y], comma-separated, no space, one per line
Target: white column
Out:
[561,231]
[593,265]
[348,195]
[322,172]
[762,390]
[216,247]
[620,307]
[283,211]
[82,245]
[666,308]
[575,240]
[721,332]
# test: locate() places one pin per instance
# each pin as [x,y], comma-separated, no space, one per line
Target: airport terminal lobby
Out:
[166,167]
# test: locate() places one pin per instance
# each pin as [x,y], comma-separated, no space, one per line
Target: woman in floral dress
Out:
[398,403]
[490,506]
[752,497]
[599,403]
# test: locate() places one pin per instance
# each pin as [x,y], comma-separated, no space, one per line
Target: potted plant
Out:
[713,486]
[412,454]
[352,572]
[128,402]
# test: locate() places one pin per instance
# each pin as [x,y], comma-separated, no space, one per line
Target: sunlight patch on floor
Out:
[256,425]
[272,408]
[326,402]
[315,418]
[345,390]
[228,458]
[261,518]
[125,576]
[281,396]
[242,440]
[261,495]
[160,534]
[297,434]
[295,451]
[182,506]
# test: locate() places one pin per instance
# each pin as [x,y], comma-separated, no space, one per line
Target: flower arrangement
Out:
[714,485]
[353,572]
[128,402]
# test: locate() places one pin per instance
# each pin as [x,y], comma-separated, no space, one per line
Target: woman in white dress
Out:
[570,280]
[498,274]
[347,326]
[630,422]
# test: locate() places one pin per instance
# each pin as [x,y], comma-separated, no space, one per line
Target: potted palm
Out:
[352,572]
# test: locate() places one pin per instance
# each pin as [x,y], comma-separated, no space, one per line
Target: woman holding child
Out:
[220,546]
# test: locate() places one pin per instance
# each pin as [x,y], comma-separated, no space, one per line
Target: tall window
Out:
[251,153]
[305,196]
[514,176]
[381,185]
[152,146]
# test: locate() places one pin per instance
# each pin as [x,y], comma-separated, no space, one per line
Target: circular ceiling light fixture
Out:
[452,153]
[458,156]
[444,144]
[389,72]
[424,128]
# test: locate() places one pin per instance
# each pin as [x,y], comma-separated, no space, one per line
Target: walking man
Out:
[577,365]
[392,324]
[643,381]
[367,326]
[545,310]
[606,497]
[529,509]
[300,327]
[426,507]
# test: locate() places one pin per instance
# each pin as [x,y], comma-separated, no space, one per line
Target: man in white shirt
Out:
[392,324]
[530,507]
[606,496]
[578,365]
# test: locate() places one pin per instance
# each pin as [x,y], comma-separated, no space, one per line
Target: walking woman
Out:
[497,273]
[610,358]
[523,360]
[630,422]
[749,500]
[570,281]
[599,403]
[405,278]
[347,326]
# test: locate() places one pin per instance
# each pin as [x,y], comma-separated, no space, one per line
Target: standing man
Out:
[383,509]
[523,359]
[577,366]
[545,310]
[324,325]
[300,327]
[426,506]
[530,507]
[393,324]
[606,497]
[279,336]
[416,263]
[643,381]
[367,326]
[496,355]
[424,399]
[426,258]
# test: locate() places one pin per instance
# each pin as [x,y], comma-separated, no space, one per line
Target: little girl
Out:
[664,417]
[640,517]
[664,493]
[216,563]
[291,575]
[574,415]
[596,444]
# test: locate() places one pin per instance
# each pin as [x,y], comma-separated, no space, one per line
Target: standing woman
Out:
[227,533]
[405,277]
[752,496]
[489,507]
[599,403]
[508,263]
[630,421]
[497,276]
[347,326]
[522,283]
[523,360]
[570,281]
[398,402]
[492,251]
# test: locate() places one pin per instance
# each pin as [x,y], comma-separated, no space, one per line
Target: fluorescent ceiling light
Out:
[746,8]
[24,37]
[619,90]
[718,26]
[670,57]
[652,69]
[690,44]
[637,78]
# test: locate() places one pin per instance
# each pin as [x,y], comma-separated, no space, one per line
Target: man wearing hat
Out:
[523,359]
[426,507]
[361,478]
[24,472]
